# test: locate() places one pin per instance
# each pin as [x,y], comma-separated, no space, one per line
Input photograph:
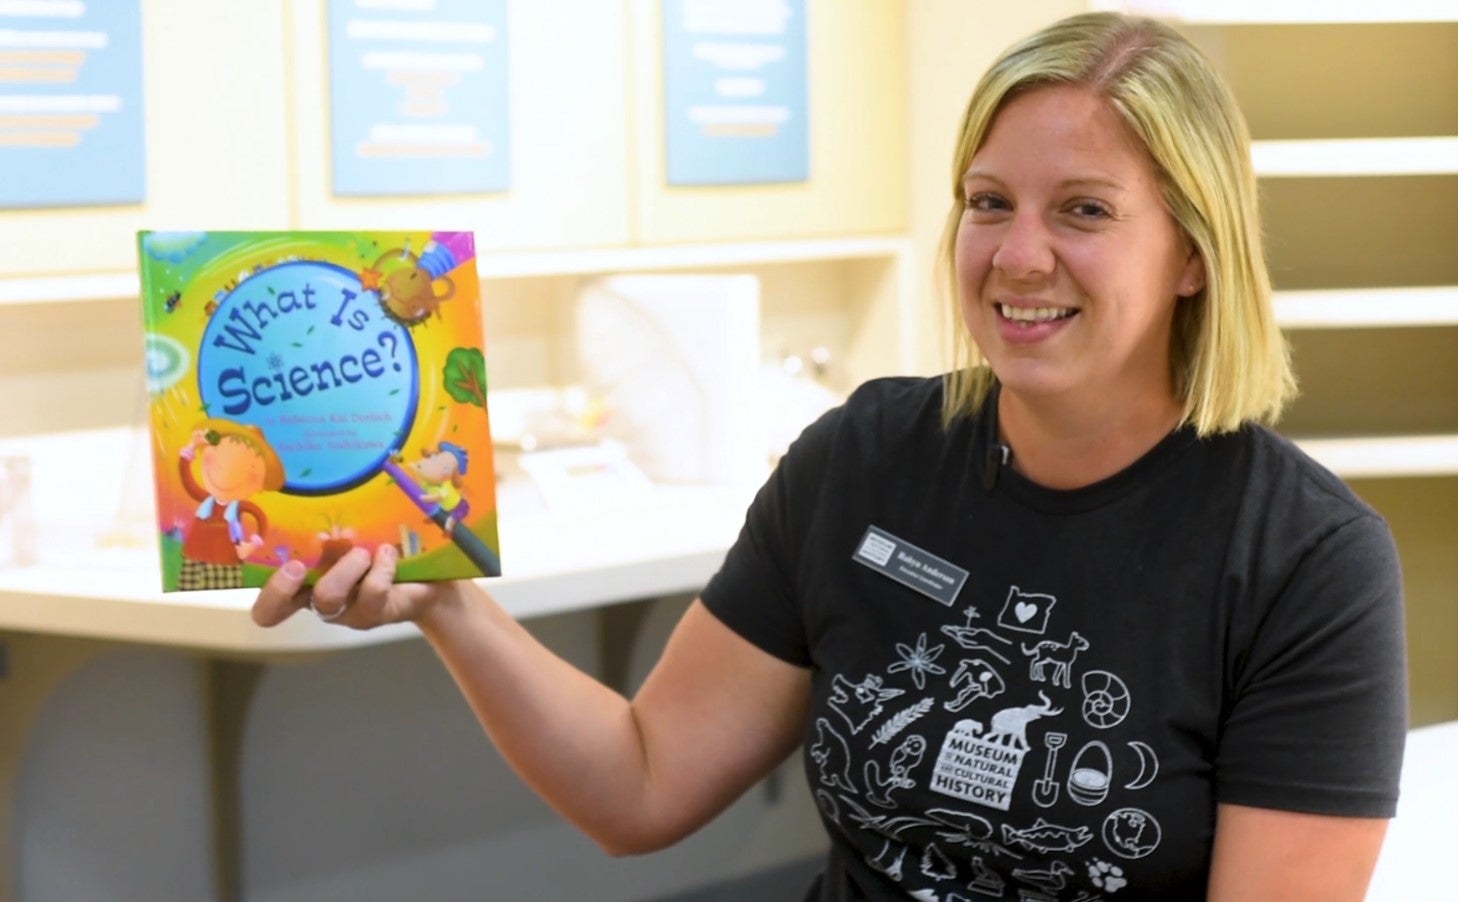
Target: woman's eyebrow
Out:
[1092,181]
[1088,181]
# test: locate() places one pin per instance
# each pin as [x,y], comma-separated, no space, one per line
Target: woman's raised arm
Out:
[714,716]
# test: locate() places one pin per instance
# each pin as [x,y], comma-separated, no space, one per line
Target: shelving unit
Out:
[1368,308]
[1279,12]
[1325,158]
[588,198]
[845,293]
[1418,307]
[1386,458]
[123,285]
[51,289]
[1353,109]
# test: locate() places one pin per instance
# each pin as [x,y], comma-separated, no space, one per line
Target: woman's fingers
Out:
[334,591]
[285,592]
[374,589]
[282,595]
[358,591]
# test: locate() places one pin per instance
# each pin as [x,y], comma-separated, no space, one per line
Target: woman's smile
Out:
[1029,323]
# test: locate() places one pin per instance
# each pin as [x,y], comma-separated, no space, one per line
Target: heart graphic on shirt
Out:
[1026,612]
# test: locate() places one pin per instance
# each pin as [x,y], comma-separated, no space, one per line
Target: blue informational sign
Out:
[418,97]
[71,124]
[734,75]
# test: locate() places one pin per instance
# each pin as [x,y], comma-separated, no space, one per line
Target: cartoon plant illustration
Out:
[465,376]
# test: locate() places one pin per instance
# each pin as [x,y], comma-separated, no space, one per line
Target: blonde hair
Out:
[1231,363]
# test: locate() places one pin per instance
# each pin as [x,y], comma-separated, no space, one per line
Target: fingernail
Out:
[387,553]
[295,570]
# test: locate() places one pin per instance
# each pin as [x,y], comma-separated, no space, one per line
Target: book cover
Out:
[311,392]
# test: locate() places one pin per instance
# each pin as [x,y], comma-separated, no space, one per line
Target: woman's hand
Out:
[359,591]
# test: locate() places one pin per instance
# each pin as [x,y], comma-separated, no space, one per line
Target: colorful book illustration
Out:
[311,392]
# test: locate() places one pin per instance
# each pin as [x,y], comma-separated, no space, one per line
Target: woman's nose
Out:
[1025,250]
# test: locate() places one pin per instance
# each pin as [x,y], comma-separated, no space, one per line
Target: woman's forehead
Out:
[1064,133]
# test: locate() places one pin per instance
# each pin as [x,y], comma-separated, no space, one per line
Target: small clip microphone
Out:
[997,458]
[997,454]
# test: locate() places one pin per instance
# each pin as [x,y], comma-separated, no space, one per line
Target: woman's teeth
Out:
[1035,314]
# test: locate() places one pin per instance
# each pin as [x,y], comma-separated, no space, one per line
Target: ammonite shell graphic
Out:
[1105,699]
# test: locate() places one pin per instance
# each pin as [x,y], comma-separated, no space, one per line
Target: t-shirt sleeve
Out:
[1318,715]
[754,592]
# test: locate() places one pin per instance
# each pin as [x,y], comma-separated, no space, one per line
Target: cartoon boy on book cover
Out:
[236,463]
[439,471]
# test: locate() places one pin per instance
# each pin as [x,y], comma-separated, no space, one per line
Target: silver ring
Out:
[330,616]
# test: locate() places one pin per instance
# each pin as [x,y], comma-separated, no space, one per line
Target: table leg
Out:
[35,666]
[229,687]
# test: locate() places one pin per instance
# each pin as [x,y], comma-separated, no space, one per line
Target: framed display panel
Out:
[71,105]
[216,145]
[856,86]
[568,101]
[418,98]
[734,92]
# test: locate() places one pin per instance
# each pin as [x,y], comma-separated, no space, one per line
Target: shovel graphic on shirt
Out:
[1045,791]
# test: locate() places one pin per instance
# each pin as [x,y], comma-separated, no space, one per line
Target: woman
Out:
[1066,624]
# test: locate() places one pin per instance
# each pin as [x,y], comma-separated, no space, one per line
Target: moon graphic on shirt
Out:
[1148,765]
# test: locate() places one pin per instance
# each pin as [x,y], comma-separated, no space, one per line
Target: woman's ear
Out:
[1192,276]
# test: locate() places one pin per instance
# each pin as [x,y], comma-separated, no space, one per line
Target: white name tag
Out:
[914,568]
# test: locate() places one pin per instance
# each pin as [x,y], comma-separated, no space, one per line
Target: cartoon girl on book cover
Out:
[236,463]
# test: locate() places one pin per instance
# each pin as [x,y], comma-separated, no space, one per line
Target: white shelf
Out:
[686,256]
[1282,12]
[54,289]
[521,264]
[1368,308]
[1386,457]
[1437,155]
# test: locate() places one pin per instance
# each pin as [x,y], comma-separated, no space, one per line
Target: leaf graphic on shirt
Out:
[900,721]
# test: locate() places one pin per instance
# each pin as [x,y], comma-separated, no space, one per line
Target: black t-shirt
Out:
[1220,622]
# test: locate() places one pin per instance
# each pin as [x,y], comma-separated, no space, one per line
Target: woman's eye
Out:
[1090,209]
[985,203]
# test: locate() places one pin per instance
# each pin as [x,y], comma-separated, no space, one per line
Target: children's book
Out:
[313,392]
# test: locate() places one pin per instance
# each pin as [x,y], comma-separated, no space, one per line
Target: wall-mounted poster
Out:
[71,130]
[734,77]
[418,96]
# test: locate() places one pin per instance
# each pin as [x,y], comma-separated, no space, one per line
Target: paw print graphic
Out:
[1105,876]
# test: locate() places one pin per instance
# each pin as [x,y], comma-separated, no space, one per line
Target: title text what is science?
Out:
[242,333]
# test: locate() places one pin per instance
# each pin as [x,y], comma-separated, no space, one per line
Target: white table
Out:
[1417,862]
[666,541]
